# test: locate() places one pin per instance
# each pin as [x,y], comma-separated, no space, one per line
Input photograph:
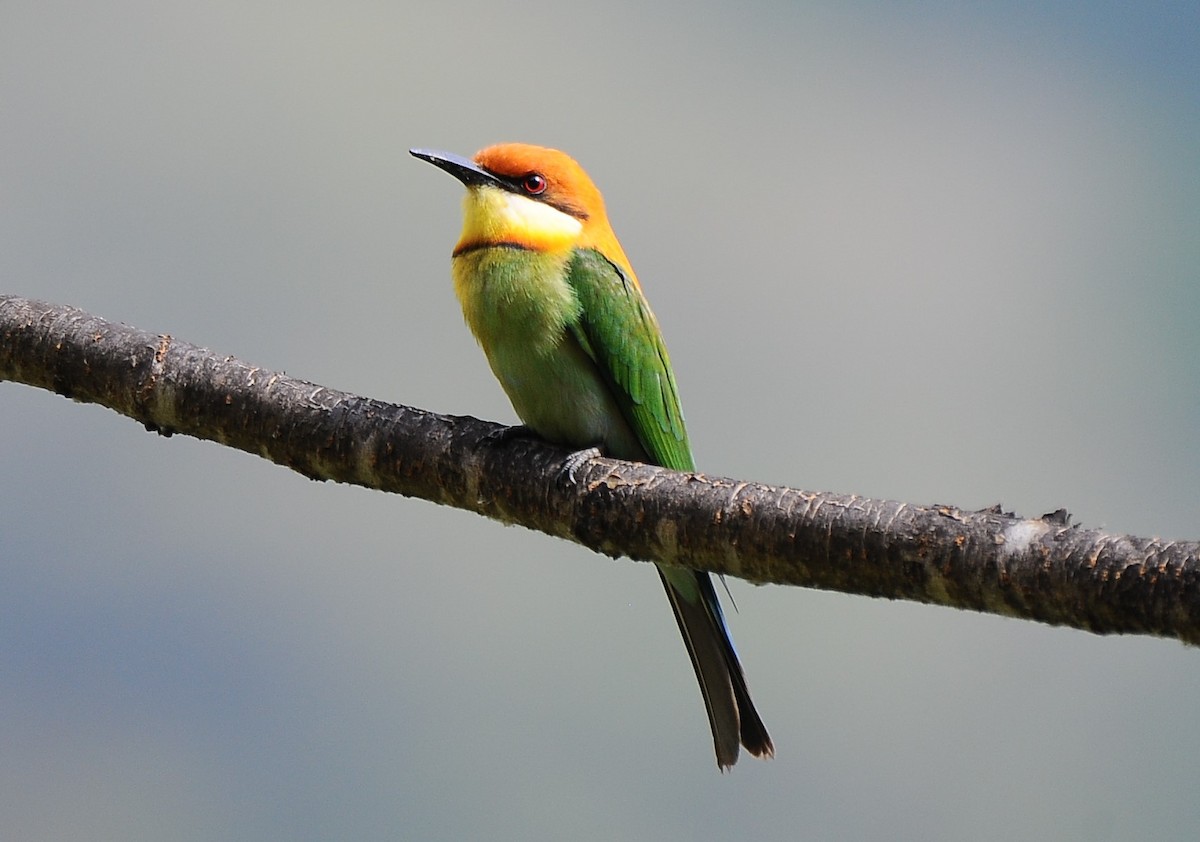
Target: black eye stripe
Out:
[516,184]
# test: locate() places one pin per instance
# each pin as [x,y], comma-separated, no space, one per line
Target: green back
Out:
[618,331]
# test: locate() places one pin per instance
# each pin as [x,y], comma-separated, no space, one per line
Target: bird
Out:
[553,301]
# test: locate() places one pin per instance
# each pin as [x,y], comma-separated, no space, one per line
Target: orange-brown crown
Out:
[564,185]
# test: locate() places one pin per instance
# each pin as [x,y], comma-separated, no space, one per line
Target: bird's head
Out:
[525,196]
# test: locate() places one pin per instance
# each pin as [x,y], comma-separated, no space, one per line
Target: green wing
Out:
[620,334]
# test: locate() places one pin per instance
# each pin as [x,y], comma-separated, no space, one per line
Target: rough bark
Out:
[1040,569]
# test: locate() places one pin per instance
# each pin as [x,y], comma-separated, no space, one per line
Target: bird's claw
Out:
[576,461]
[570,465]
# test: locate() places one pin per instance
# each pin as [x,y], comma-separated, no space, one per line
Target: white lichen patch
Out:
[1019,537]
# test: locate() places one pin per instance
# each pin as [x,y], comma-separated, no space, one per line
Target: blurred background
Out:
[916,251]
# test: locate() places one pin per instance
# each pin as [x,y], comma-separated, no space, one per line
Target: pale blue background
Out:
[904,250]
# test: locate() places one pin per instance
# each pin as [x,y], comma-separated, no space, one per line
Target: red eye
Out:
[534,184]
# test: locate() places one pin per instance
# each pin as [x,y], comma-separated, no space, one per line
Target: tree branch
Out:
[1039,569]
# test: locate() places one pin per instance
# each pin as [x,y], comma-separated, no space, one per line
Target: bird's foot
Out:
[576,461]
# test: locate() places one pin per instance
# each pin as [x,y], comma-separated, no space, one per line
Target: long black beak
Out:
[464,169]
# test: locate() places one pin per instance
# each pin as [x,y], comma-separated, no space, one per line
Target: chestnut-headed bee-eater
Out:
[550,296]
